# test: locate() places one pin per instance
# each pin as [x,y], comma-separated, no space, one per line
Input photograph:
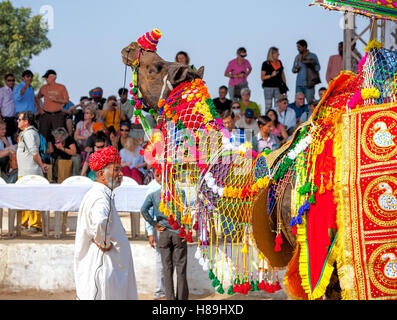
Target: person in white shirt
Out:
[103,264]
[286,116]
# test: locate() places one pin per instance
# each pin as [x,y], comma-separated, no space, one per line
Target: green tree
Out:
[21,37]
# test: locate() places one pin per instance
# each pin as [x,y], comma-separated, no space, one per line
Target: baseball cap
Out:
[249,113]
[49,72]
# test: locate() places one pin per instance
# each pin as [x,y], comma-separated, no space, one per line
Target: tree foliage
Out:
[21,37]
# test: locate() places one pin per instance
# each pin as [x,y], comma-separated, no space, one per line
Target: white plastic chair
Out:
[77,180]
[62,216]
[2,181]
[127,181]
[28,180]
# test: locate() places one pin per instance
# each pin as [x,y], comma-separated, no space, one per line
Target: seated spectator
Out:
[125,128]
[286,116]
[264,140]
[306,115]
[62,146]
[279,130]
[97,127]
[321,92]
[248,121]
[222,103]
[111,113]
[132,161]
[7,149]
[247,103]
[236,110]
[99,143]
[237,136]
[78,110]
[84,128]
[68,110]
[114,137]
[299,105]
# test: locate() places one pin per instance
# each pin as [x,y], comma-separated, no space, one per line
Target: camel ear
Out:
[178,73]
[130,53]
[200,72]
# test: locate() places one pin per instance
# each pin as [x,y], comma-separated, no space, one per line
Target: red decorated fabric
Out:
[321,219]
[103,157]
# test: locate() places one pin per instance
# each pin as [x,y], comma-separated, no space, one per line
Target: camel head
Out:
[157,77]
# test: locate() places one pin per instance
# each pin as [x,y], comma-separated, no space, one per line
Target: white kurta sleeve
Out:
[99,224]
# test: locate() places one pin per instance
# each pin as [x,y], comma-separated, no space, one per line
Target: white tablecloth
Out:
[58,197]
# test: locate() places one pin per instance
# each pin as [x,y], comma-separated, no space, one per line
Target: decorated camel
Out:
[322,206]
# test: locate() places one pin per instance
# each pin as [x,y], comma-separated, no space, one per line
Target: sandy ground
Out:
[70,295]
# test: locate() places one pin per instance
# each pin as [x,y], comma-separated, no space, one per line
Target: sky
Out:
[88,36]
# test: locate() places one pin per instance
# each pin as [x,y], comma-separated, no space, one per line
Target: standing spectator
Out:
[246,103]
[173,249]
[238,70]
[321,92]
[111,114]
[335,64]
[55,97]
[264,140]
[286,116]
[306,115]
[132,162]
[125,106]
[183,58]
[29,162]
[84,128]
[307,66]
[24,94]
[299,105]
[7,106]
[153,236]
[273,78]
[6,148]
[99,143]
[97,99]
[222,103]
[247,122]
[64,147]
[279,130]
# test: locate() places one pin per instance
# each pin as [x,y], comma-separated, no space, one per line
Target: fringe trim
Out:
[341,198]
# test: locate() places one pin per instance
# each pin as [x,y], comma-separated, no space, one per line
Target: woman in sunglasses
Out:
[238,70]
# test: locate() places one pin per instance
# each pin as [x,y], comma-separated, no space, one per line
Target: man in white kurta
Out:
[103,264]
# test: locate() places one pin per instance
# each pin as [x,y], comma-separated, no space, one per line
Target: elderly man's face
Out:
[112,176]
[300,100]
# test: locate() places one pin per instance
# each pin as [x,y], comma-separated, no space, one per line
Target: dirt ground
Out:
[70,295]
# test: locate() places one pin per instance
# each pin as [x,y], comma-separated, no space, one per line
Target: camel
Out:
[290,180]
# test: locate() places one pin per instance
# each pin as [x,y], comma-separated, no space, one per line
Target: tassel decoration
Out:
[322,188]
[330,184]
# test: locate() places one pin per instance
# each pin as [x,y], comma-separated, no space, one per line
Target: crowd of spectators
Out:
[269,127]
[67,133]
[47,134]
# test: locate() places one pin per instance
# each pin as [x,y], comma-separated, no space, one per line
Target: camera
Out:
[114,104]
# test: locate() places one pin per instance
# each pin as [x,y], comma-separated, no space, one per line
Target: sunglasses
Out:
[100,147]
[243,55]
[19,119]
[125,130]
[11,80]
